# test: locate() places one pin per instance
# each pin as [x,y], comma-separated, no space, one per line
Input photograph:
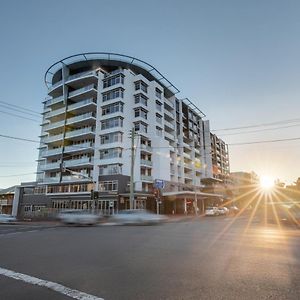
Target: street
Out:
[199,258]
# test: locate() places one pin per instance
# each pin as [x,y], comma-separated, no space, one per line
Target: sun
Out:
[266,182]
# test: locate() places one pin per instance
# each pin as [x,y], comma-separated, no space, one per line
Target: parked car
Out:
[7,218]
[223,211]
[212,211]
[138,216]
[78,217]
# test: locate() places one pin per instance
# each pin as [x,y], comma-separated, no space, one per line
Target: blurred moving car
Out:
[223,211]
[7,218]
[212,211]
[138,216]
[233,210]
[78,217]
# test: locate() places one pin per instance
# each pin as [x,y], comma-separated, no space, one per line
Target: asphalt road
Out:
[207,258]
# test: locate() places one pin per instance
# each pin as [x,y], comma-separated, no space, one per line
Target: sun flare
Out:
[266,182]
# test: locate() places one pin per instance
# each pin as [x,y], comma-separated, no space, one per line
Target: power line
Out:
[16,175]
[17,138]
[259,125]
[23,108]
[18,110]
[267,141]
[18,116]
[259,130]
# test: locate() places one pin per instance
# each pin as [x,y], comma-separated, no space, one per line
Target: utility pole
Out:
[131,197]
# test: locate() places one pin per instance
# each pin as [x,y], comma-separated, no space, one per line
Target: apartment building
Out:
[94,101]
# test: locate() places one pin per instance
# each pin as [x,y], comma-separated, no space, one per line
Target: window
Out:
[112,169]
[111,123]
[140,126]
[141,85]
[140,98]
[158,105]
[159,118]
[110,153]
[113,94]
[113,80]
[140,112]
[111,138]
[158,93]
[111,185]
[110,109]
[158,131]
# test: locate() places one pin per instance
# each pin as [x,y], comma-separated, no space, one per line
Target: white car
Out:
[7,218]
[223,211]
[79,217]
[212,211]
[137,216]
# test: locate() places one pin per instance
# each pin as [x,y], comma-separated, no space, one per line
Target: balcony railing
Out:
[52,138]
[146,178]
[80,118]
[81,103]
[78,147]
[54,100]
[50,166]
[53,86]
[55,112]
[169,136]
[146,162]
[169,102]
[79,132]
[168,113]
[52,152]
[82,74]
[53,125]
[170,125]
[82,90]
[146,147]
[77,162]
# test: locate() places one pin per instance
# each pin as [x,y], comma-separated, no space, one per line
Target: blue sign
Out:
[159,184]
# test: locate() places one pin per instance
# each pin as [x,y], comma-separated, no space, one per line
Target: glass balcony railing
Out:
[146,178]
[50,166]
[146,147]
[80,118]
[79,132]
[146,162]
[82,74]
[53,125]
[52,138]
[54,100]
[81,104]
[52,152]
[55,85]
[77,162]
[79,147]
[82,90]
[55,112]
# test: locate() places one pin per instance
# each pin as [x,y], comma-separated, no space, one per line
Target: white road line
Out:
[75,294]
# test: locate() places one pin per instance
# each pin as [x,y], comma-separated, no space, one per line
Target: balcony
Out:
[79,148]
[50,166]
[81,118]
[187,166]
[79,94]
[53,89]
[115,72]
[169,114]
[169,125]
[88,132]
[186,155]
[169,136]
[55,113]
[55,125]
[51,179]
[53,101]
[84,161]
[147,178]
[169,103]
[53,138]
[146,148]
[83,106]
[146,163]
[81,76]
[52,152]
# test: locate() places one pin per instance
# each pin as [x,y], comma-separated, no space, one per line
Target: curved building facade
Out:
[94,101]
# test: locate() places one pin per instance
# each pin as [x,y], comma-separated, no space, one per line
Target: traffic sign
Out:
[159,183]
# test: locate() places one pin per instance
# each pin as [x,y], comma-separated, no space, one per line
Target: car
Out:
[138,216]
[233,210]
[7,218]
[223,211]
[212,211]
[78,217]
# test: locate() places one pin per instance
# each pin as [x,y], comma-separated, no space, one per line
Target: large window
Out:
[140,112]
[111,138]
[111,123]
[110,109]
[112,169]
[113,80]
[158,105]
[158,93]
[111,185]
[113,94]
[140,126]
[140,98]
[141,85]
[110,153]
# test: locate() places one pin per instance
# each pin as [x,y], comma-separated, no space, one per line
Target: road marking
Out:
[75,294]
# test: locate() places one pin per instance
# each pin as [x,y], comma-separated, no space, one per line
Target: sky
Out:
[238,61]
